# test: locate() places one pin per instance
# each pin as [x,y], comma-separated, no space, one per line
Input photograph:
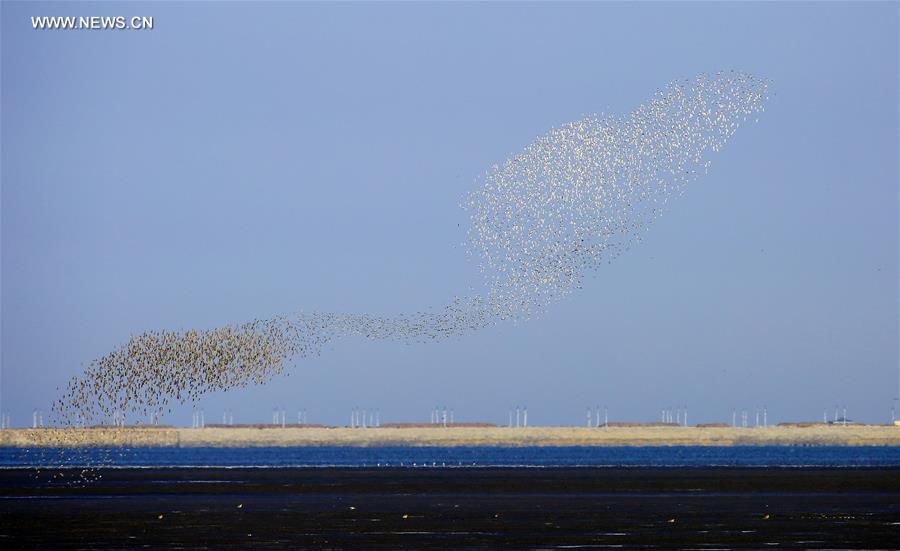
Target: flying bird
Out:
[541,220]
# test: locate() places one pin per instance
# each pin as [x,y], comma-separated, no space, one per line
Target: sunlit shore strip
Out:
[233,437]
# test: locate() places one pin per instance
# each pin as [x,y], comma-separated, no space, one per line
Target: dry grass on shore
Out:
[851,435]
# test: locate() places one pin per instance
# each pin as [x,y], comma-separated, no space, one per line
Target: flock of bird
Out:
[576,197]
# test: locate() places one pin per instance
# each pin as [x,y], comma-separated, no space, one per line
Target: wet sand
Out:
[456,508]
[243,437]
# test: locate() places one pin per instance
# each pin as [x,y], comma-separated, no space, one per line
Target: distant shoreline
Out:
[242,437]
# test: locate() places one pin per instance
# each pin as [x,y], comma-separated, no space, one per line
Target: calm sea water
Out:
[681,456]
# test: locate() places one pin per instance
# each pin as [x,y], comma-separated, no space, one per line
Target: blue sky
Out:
[240,161]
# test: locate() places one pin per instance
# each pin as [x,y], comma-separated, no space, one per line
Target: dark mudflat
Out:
[455,508]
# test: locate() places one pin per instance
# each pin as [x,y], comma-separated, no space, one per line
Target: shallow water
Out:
[476,507]
[681,456]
